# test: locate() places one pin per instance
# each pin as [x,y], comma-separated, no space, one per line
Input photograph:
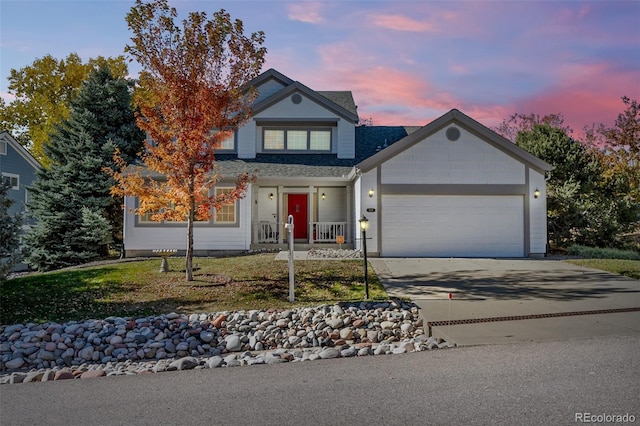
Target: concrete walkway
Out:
[486,292]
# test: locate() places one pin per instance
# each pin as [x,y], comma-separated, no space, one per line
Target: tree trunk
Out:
[189,260]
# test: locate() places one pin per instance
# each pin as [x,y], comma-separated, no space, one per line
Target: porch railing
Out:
[268,232]
[322,232]
[326,232]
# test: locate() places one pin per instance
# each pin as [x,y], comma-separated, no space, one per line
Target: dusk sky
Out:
[406,62]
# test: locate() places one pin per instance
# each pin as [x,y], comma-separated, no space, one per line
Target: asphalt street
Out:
[548,382]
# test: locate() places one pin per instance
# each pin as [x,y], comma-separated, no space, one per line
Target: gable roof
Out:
[457,117]
[270,74]
[11,141]
[348,114]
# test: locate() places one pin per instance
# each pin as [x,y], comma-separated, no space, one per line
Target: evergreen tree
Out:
[9,233]
[579,209]
[71,199]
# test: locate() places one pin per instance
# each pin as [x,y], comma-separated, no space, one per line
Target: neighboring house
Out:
[19,169]
[450,188]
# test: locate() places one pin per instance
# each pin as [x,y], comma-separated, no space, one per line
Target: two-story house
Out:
[450,188]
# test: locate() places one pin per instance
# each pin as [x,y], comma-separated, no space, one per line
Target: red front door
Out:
[297,206]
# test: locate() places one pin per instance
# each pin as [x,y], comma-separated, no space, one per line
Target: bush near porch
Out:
[136,288]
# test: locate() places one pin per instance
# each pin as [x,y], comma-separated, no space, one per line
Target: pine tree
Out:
[9,233]
[71,199]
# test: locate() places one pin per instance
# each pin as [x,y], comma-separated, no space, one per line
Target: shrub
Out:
[603,253]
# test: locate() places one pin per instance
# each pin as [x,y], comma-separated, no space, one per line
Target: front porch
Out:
[319,232]
[320,215]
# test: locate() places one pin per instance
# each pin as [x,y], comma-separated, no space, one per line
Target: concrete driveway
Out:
[508,300]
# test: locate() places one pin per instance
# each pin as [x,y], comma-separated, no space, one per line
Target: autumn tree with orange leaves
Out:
[191,96]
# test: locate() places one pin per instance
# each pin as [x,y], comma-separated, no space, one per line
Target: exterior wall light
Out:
[271,196]
[323,196]
[371,192]
[536,193]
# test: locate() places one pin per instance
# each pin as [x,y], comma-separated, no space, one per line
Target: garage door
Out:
[452,226]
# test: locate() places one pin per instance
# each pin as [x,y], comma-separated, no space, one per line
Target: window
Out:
[12,180]
[229,144]
[227,212]
[273,139]
[297,140]
[3,148]
[320,140]
[146,218]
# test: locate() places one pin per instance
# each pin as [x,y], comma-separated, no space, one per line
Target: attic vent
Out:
[453,134]
[296,98]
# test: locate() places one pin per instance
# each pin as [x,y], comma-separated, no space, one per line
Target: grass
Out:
[131,289]
[603,253]
[629,268]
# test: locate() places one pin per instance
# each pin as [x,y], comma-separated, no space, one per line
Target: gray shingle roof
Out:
[342,98]
[286,165]
[369,140]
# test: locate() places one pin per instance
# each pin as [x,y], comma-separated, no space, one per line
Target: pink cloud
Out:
[585,94]
[309,12]
[401,23]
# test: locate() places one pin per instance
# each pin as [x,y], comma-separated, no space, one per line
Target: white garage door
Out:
[452,226]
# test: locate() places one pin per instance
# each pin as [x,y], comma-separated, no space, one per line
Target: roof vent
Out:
[296,98]
[453,133]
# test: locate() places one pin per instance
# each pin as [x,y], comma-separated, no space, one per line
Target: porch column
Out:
[349,237]
[255,191]
[280,197]
[310,212]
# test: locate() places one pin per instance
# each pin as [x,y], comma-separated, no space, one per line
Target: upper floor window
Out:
[3,148]
[297,139]
[229,144]
[12,180]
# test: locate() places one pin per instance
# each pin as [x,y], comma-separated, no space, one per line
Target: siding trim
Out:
[452,189]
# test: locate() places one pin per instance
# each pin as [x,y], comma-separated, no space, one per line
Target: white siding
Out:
[334,207]
[247,141]
[367,181]
[307,108]
[268,88]
[346,140]
[437,160]
[267,207]
[152,237]
[343,135]
[537,213]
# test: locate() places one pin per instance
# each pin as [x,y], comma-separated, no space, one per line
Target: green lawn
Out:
[629,268]
[138,289]
[233,283]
